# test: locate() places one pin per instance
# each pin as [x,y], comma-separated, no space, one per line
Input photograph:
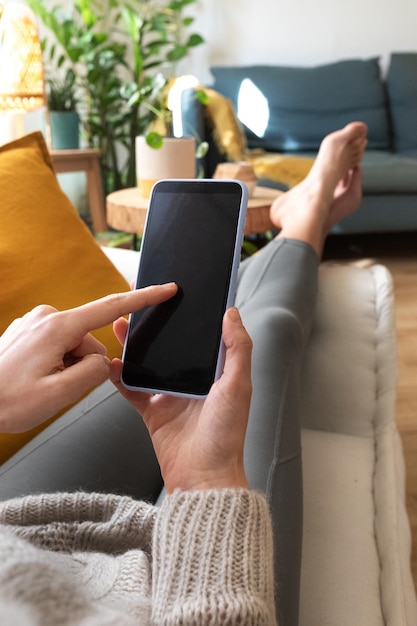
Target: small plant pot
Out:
[65,130]
[174,159]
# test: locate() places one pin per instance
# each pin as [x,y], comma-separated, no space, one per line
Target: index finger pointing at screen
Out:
[108,309]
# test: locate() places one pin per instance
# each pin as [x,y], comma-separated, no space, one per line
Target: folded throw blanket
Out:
[282,168]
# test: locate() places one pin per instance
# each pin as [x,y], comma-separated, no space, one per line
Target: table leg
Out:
[96,197]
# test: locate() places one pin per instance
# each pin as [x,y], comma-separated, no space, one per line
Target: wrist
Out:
[227,478]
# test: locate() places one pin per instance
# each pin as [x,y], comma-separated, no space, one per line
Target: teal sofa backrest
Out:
[291,109]
[402,94]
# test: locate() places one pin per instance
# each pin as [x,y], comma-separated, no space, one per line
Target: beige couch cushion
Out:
[356,553]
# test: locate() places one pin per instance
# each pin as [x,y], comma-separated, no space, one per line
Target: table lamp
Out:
[22,86]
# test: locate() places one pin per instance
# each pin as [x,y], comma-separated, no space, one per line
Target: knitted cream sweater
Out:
[204,557]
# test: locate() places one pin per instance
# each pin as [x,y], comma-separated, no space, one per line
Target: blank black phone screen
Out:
[190,239]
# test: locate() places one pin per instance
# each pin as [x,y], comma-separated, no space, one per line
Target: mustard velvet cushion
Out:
[47,254]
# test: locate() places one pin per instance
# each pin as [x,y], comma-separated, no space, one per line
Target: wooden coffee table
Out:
[126,210]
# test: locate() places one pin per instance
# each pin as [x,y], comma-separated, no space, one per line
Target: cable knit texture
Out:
[204,557]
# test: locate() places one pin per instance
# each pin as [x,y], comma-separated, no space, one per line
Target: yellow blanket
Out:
[282,168]
[230,139]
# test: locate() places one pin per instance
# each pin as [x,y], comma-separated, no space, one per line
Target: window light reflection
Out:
[253,107]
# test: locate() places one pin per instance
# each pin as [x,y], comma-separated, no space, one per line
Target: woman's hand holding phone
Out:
[199,443]
[186,363]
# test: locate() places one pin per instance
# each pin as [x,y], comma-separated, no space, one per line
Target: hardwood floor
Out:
[399,254]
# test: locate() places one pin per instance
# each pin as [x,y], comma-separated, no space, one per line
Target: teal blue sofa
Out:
[289,110]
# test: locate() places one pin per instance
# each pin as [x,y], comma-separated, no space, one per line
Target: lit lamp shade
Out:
[21,70]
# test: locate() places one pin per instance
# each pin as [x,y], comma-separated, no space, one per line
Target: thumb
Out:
[235,335]
[238,348]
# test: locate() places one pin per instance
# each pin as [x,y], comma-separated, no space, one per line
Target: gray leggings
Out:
[101,445]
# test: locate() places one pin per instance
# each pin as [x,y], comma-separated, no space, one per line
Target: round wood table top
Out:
[126,210]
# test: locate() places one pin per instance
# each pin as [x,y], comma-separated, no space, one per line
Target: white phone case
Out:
[212,184]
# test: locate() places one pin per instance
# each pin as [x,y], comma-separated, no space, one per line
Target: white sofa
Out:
[356,551]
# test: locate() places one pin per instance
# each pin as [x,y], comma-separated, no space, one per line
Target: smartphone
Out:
[193,236]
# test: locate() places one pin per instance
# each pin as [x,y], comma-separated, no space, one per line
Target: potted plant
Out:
[163,152]
[63,115]
[122,53]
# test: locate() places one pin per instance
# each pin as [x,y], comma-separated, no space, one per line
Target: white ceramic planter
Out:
[175,159]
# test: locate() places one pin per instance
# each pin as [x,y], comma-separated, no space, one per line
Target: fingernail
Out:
[234,315]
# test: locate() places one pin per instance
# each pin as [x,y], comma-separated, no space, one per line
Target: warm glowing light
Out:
[186,81]
[21,68]
[253,108]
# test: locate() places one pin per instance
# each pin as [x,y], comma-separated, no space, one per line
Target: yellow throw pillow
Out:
[47,254]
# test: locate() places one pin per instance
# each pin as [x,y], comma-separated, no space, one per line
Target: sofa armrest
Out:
[356,547]
[125,261]
[350,371]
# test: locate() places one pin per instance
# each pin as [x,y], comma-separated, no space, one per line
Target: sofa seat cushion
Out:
[386,172]
[126,261]
[356,547]
[47,254]
[339,511]
[350,369]
[356,559]
[291,109]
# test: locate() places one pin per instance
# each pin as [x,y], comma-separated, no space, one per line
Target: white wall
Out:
[300,32]
[297,32]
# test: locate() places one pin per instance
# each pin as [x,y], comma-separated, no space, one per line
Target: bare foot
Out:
[346,198]
[330,191]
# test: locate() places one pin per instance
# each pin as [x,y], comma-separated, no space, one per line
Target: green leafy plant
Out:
[121,52]
[62,92]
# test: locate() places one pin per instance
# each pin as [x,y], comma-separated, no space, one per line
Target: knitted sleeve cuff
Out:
[213,559]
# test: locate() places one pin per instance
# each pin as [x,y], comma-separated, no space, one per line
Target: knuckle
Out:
[113,298]
[41,317]
[42,310]
[114,301]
